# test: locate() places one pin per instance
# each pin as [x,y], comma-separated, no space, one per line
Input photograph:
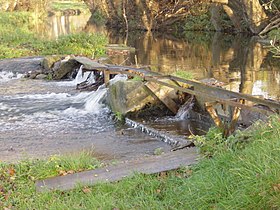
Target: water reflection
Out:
[58,25]
[242,63]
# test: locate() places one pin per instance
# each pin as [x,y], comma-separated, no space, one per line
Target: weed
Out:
[183,74]
[119,116]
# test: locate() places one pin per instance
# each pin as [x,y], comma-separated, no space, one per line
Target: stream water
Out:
[41,118]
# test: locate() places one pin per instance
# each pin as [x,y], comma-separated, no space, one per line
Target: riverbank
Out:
[243,174]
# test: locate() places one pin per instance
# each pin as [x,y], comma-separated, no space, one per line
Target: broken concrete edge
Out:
[112,173]
[172,140]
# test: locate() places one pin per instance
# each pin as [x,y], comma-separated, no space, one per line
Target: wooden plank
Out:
[219,91]
[210,109]
[163,97]
[106,75]
[235,116]
[148,165]
[210,97]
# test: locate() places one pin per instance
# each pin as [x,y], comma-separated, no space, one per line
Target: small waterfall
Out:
[174,141]
[87,76]
[184,111]
[93,102]
[118,77]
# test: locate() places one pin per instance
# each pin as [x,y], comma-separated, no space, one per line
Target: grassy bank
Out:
[244,173]
[19,39]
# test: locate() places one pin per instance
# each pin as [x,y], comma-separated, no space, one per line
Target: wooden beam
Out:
[213,113]
[235,116]
[162,96]
[211,93]
[106,75]
[220,91]
[211,97]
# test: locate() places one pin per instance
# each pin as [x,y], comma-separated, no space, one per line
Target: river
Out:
[42,118]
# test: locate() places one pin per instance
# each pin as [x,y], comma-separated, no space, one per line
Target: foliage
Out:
[17,39]
[274,35]
[198,23]
[98,18]
[211,143]
[119,116]
[79,44]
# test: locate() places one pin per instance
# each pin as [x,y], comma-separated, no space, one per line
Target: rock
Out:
[41,76]
[33,74]
[21,65]
[133,99]
[128,96]
[49,61]
[64,68]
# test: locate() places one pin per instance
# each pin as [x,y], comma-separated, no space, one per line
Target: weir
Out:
[175,141]
[227,109]
[185,100]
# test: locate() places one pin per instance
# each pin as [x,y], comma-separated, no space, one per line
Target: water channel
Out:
[41,118]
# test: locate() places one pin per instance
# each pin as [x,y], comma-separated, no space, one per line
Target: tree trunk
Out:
[246,15]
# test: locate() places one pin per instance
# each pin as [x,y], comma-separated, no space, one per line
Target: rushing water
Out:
[39,118]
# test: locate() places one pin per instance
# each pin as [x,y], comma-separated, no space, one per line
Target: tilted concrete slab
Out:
[149,165]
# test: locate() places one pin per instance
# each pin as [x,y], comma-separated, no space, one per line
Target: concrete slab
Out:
[148,165]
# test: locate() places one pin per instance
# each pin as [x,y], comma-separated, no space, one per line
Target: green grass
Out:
[244,173]
[64,5]
[18,39]
[183,74]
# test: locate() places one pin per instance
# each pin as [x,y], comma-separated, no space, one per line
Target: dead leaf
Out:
[276,187]
[11,171]
[71,172]
[86,190]
[163,175]
[62,173]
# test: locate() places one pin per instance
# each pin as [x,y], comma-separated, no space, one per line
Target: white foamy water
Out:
[7,76]
[55,111]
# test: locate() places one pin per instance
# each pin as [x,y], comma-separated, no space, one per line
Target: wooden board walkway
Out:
[149,165]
